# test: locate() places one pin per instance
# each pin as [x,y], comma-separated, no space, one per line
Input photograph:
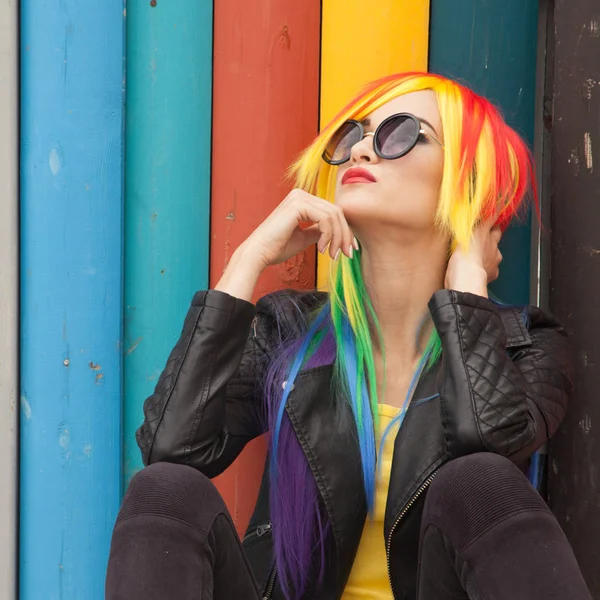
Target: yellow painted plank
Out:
[361,42]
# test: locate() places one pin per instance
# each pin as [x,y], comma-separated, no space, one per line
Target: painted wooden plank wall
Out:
[169,83]
[266,102]
[71,293]
[361,43]
[574,469]
[9,292]
[492,46]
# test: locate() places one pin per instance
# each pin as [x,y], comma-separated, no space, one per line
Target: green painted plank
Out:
[168,129]
[492,46]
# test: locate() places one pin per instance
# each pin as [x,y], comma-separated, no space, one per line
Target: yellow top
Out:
[369,575]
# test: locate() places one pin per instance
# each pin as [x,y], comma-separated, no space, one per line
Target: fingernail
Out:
[350,252]
[337,254]
[355,244]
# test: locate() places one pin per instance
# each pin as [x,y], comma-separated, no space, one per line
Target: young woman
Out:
[400,404]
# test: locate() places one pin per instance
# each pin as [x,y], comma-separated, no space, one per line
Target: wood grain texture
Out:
[574,468]
[361,43]
[167,185]
[492,47]
[266,103]
[9,292]
[72,112]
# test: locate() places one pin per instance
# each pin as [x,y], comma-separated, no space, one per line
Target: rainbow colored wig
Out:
[488,171]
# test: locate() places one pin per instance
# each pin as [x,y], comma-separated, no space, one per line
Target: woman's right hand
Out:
[280,236]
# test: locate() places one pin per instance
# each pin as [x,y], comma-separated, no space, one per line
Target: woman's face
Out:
[406,191]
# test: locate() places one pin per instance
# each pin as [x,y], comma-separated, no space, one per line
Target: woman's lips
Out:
[358,175]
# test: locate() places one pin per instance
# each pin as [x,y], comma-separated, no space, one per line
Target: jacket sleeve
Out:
[207,403]
[492,399]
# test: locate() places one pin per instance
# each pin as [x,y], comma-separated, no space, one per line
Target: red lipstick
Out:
[358,175]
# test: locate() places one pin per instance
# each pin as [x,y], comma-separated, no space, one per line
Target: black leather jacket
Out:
[501,386]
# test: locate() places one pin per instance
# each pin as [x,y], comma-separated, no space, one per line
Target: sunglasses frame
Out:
[363,135]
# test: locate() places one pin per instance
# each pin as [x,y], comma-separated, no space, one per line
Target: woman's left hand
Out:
[473,269]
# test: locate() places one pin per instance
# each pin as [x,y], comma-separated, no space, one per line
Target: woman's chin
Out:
[356,198]
[365,207]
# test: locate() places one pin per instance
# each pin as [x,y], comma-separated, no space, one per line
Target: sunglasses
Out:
[396,136]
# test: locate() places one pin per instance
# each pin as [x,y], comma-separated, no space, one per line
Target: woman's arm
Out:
[203,410]
[508,404]
[207,403]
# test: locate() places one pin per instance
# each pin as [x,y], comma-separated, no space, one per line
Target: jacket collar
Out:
[329,444]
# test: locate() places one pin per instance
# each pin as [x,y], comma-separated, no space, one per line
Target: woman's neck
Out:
[401,278]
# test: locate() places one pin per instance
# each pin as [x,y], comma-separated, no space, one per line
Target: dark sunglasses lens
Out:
[397,135]
[338,150]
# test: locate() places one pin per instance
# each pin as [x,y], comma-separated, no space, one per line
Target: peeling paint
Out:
[291,269]
[585,362]
[54,161]
[25,407]
[99,377]
[134,345]
[587,146]
[589,85]
[574,160]
[285,38]
[591,251]
[586,425]
[153,376]
[64,439]
[94,367]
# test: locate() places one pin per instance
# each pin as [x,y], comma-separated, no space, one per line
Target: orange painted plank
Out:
[265,111]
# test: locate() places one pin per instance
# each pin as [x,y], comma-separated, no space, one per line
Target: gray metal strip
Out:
[9,286]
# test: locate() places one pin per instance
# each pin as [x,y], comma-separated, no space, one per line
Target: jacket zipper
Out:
[259,531]
[421,489]
[270,584]
[267,527]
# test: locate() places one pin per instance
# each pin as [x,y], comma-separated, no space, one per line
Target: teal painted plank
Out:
[492,46]
[9,293]
[72,125]
[169,89]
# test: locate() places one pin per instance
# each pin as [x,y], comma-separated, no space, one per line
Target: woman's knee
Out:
[173,491]
[474,492]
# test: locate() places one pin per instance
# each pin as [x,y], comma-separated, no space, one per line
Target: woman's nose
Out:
[364,151]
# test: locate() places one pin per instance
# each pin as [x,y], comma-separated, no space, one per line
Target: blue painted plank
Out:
[71,293]
[9,292]
[492,46]
[169,90]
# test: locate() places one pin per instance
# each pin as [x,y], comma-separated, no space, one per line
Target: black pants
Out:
[486,535]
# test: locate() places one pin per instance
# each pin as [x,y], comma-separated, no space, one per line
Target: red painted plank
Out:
[265,111]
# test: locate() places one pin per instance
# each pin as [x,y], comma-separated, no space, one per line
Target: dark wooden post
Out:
[574,468]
